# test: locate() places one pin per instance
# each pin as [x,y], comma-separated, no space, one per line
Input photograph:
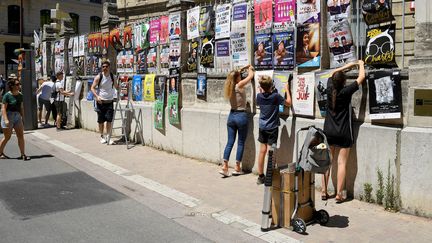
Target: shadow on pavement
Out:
[38,156]
[337,221]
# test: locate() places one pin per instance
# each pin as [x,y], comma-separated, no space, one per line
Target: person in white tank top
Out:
[103,91]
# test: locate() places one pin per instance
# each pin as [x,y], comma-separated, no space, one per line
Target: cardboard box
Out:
[276,180]
[283,208]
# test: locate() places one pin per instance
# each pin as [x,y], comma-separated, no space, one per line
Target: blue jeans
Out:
[237,122]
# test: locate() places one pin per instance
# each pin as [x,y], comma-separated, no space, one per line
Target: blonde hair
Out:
[265,83]
[230,83]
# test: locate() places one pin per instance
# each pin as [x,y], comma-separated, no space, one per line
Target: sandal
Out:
[324,196]
[25,157]
[237,173]
[225,173]
[4,156]
[339,198]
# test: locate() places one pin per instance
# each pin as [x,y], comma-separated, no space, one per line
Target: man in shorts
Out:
[60,103]
[45,91]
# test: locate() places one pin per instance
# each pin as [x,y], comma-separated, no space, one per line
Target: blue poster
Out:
[201,89]
[137,88]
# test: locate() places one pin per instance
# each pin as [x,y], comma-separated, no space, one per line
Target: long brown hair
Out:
[230,83]
[338,82]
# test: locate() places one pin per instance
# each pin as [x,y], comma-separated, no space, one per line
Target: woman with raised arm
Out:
[234,91]
[338,123]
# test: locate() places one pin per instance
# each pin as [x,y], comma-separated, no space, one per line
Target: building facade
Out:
[86,16]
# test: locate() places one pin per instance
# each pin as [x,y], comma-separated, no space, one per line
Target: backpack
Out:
[315,153]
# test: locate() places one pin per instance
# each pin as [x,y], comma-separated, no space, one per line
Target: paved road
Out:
[47,200]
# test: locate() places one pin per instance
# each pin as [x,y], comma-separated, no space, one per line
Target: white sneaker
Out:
[102,139]
[111,142]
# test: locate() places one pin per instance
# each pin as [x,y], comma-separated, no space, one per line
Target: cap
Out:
[12,76]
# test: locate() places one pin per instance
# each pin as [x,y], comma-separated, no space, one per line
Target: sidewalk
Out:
[240,196]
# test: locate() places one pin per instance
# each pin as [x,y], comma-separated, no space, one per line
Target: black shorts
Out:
[45,103]
[105,112]
[269,137]
[60,107]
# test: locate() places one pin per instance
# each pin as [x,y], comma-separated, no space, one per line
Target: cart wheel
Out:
[299,225]
[323,217]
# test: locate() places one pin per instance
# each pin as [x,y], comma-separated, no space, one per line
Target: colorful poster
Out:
[175,25]
[284,15]
[308,11]
[137,88]
[283,46]
[81,46]
[138,37]
[75,46]
[263,51]
[280,79]
[105,43]
[223,21]
[340,42]
[206,22]
[124,88]
[193,16]
[141,64]
[127,37]
[207,52]
[174,118]
[380,47]
[152,60]
[93,66]
[303,94]
[164,58]
[128,61]
[97,41]
[121,61]
[160,84]
[338,9]
[145,27]
[154,31]
[263,12]
[321,79]
[223,59]
[377,11]
[174,55]
[174,79]
[239,18]
[79,65]
[159,115]
[201,86]
[149,87]
[164,31]
[193,56]
[115,39]
[259,75]
[385,95]
[308,45]
[240,55]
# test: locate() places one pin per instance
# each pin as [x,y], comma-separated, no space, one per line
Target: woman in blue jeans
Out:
[235,92]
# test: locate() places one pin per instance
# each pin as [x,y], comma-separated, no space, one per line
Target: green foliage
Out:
[367,187]
[380,191]
[391,198]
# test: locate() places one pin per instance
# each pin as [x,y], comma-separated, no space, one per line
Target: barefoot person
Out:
[12,117]
[338,123]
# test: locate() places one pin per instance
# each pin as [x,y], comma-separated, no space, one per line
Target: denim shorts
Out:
[14,118]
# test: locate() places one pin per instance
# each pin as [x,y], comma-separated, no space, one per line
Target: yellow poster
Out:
[149,94]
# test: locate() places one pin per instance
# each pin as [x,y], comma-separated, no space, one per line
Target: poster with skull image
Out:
[380,48]
[207,52]
[385,95]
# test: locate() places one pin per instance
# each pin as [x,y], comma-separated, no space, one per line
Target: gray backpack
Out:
[315,153]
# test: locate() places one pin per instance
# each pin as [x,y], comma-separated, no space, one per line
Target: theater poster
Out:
[263,47]
[207,52]
[127,37]
[201,86]
[164,31]
[239,18]
[173,82]
[137,88]
[81,46]
[164,58]
[263,13]
[303,94]
[223,59]
[284,15]
[145,28]
[124,87]
[141,64]
[175,25]
[97,49]
[259,75]
[340,42]
[223,21]
[377,11]
[160,87]
[280,79]
[192,60]
[173,109]
[380,47]
[154,31]
[338,9]
[152,60]
[283,50]
[206,22]
[385,95]
[149,87]
[137,30]
[308,45]
[308,11]
[240,55]
[159,115]
[115,39]
[192,23]
[90,44]
[174,56]
[321,79]
[105,43]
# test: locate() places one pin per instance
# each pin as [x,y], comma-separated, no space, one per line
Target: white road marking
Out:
[180,197]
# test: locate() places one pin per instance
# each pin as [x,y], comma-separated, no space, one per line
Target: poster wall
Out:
[380,47]
[263,12]
[137,88]
[223,21]
[149,87]
[193,16]
[175,25]
[308,45]
[308,11]
[223,59]
[321,79]
[340,42]
[284,15]
[303,94]
[263,47]
[385,95]
[283,46]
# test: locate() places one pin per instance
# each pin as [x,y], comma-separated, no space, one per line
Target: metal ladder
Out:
[123,109]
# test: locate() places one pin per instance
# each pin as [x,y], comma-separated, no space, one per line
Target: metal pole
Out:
[403,33]
[21,24]
[358,29]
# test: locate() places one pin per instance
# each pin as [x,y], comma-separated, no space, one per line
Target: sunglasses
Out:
[105,66]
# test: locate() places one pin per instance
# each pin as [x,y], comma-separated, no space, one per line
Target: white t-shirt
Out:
[46,90]
[59,85]
[106,90]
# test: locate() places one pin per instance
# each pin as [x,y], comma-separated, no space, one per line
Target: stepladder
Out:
[125,117]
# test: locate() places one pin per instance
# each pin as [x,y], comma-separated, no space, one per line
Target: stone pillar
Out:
[420,67]
[109,21]
[48,36]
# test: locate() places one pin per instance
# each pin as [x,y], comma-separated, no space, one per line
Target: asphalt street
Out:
[47,200]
